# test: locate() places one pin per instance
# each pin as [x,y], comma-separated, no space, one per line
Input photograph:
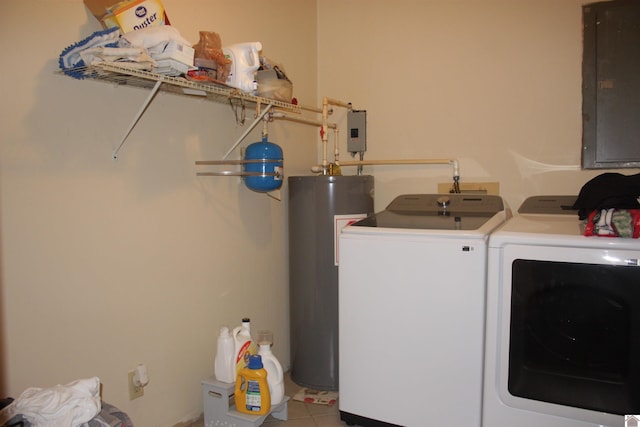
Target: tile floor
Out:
[300,414]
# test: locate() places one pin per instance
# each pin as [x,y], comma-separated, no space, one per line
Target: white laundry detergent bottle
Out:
[244,345]
[225,362]
[275,374]
[245,61]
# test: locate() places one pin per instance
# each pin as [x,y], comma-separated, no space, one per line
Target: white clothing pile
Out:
[61,405]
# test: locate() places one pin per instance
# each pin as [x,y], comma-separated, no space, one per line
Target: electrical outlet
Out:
[471,187]
[135,391]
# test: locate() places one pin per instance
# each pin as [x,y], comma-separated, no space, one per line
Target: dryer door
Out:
[570,331]
[572,336]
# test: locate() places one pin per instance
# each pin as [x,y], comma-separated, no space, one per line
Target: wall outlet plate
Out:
[134,390]
[471,188]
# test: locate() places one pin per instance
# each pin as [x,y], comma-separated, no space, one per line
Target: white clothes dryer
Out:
[563,322]
[411,310]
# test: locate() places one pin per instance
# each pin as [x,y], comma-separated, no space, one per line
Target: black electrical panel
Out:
[611,85]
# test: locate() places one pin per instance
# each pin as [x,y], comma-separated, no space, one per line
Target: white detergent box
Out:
[129,15]
[138,14]
[177,51]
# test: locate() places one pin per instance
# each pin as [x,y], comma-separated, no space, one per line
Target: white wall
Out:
[107,264]
[495,84]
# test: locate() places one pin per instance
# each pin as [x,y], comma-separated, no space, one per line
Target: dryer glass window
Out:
[575,335]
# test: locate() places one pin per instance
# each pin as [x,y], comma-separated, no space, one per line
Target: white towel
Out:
[61,405]
[133,56]
[151,37]
[70,56]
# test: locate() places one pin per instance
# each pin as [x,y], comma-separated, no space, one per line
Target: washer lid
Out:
[437,212]
[549,205]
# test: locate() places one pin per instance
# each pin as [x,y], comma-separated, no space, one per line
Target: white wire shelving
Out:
[124,76]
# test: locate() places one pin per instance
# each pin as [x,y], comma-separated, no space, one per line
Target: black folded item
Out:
[5,402]
[608,190]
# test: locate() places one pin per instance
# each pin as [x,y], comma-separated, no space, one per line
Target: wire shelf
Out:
[125,76]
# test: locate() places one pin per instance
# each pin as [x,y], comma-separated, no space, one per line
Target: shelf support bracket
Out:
[137,117]
[249,129]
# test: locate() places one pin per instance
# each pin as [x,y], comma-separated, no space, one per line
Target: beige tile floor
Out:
[300,414]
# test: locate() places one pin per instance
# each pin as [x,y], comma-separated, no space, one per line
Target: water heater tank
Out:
[315,202]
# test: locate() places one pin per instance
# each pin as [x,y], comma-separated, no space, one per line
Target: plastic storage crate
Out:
[220,410]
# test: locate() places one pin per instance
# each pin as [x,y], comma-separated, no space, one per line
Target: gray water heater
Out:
[316,205]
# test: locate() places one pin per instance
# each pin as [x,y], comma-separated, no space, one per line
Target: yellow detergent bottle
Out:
[252,389]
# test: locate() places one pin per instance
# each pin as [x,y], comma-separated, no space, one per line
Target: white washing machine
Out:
[563,322]
[411,311]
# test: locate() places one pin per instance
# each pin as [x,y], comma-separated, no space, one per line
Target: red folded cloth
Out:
[613,222]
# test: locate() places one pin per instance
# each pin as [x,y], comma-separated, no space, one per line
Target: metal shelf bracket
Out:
[122,75]
[137,117]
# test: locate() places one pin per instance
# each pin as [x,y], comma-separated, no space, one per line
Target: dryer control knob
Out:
[443,201]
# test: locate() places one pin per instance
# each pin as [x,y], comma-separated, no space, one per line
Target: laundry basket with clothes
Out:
[76,404]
